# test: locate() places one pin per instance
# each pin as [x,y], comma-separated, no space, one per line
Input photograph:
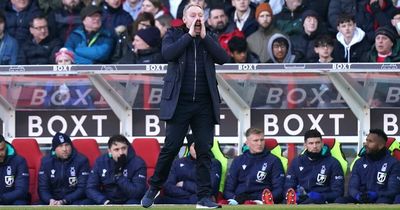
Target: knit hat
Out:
[150,35]
[90,10]
[387,31]
[59,139]
[309,13]
[263,7]
[65,52]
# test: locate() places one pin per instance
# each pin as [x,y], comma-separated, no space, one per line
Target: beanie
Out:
[90,10]
[263,7]
[150,35]
[65,52]
[309,13]
[59,139]
[385,30]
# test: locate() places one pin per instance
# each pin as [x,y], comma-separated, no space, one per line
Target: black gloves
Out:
[120,164]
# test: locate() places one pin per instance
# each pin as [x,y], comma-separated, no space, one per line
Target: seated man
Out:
[63,174]
[386,48]
[256,174]
[375,175]
[315,176]
[181,186]
[279,49]
[239,51]
[118,177]
[14,172]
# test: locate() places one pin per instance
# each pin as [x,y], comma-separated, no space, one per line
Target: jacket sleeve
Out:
[21,183]
[278,179]
[93,185]
[134,187]
[231,180]
[355,180]
[336,183]
[44,183]
[170,187]
[292,180]
[173,49]
[393,185]
[100,51]
[215,176]
[83,172]
[215,50]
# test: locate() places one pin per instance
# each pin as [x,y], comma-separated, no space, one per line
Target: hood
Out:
[289,58]
[359,35]
[258,155]
[10,152]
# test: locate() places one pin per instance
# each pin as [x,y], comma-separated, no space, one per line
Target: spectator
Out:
[315,177]
[279,49]
[321,7]
[14,171]
[243,16]
[351,43]
[18,15]
[49,5]
[9,49]
[374,178]
[396,21]
[276,5]
[289,21]
[175,7]
[113,15]
[372,14]
[386,47]
[256,174]
[146,48]
[154,7]
[303,43]
[339,7]
[144,20]
[91,43]
[323,46]
[41,48]
[218,22]
[163,23]
[266,29]
[239,52]
[63,174]
[64,57]
[64,20]
[180,187]
[133,7]
[118,177]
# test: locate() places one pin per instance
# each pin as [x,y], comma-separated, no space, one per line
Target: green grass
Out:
[191,207]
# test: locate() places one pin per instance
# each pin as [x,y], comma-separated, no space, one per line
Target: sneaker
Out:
[207,203]
[290,196]
[149,197]
[267,197]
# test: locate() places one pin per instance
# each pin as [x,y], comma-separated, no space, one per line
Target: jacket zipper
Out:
[195,71]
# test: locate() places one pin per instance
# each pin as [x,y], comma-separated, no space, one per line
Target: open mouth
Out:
[197,24]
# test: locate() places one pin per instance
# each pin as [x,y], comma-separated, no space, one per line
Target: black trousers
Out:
[199,115]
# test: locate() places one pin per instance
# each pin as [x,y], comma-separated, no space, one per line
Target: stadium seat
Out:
[29,149]
[272,145]
[148,149]
[89,148]
[336,152]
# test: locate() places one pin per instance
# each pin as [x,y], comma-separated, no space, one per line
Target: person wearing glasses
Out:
[41,47]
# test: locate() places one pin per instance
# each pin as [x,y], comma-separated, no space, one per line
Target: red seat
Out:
[396,154]
[148,149]
[89,148]
[270,143]
[329,141]
[29,149]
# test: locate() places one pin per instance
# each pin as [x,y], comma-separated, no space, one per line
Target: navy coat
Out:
[174,47]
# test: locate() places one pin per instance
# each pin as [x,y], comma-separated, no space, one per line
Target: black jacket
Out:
[39,53]
[148,56]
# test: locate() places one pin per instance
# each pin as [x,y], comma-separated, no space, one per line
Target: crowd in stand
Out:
[251,31]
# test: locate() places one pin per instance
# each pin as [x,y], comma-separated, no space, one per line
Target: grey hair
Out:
[190,5]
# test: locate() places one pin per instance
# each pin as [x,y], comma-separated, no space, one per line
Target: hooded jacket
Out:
[323,175]
[355,51]
[289,58]
[103,185]
[394,57]
[15,178]
[63,179]
[250,174]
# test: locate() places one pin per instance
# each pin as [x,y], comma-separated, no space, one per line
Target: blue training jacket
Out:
[63,179]
[102,184]
[381,176]
[323,175]
[250,174]
[14,184]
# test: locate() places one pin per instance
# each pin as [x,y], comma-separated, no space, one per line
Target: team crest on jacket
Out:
[72,181]
[380,177]
[321,177]
[262,174]
[9,180]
